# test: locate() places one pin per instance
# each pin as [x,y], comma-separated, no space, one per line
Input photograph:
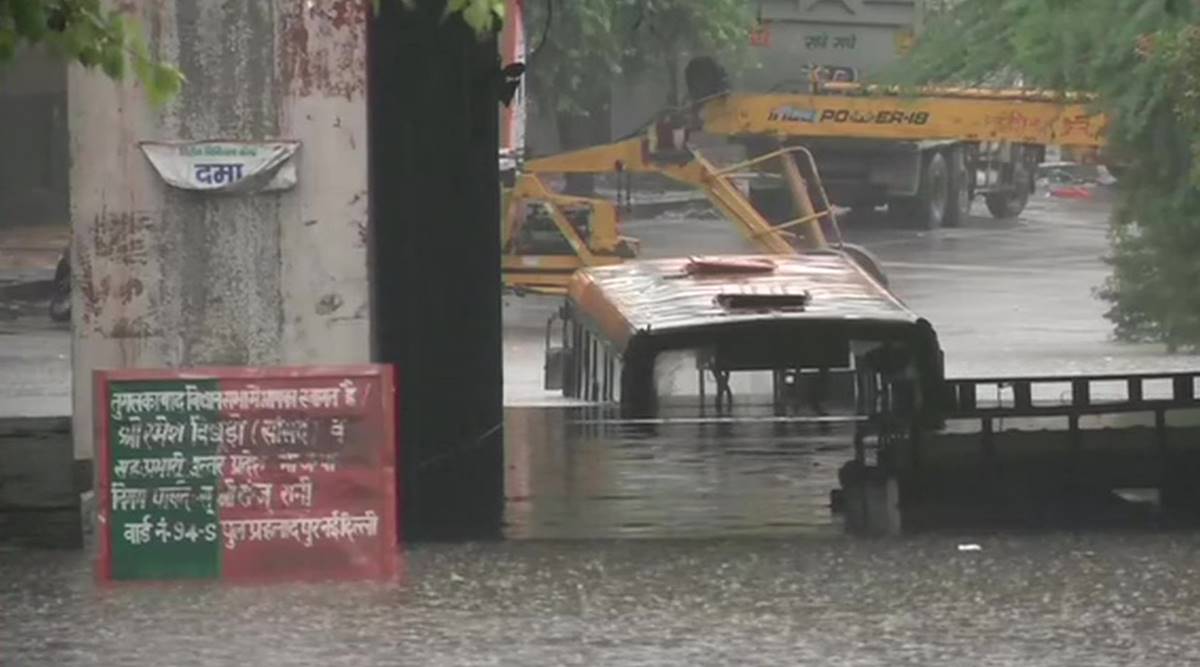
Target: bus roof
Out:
[675,295]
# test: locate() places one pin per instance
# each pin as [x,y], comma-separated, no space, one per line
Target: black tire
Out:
[1008,205]
[867,260]
[934,201]
[938,202]
[961,193]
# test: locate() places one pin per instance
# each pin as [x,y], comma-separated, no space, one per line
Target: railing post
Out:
[1134,389]
[966,396]
[1081,395]
[1184,389]
[1022,394]
[988,441]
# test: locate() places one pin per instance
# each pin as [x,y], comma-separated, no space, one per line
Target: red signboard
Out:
[247,473]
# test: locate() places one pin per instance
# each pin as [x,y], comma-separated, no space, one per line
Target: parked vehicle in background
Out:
[927,157]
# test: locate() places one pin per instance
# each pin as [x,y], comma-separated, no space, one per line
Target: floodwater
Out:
[691,542]
[707,542]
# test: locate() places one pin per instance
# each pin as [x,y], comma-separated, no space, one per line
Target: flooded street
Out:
[705,541]
[701,478]
[1047,599]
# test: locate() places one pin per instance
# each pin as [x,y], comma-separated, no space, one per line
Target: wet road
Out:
[739,559]
[35,365]
[1056,599]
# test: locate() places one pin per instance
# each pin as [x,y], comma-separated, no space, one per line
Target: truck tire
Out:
[938,202]
[961,193]
[1008,205]
[934,200]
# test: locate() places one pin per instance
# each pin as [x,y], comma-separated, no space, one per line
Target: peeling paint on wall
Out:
[176,278]
[326,66]
[120,237]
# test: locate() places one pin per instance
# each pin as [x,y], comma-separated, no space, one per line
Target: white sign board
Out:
[224,166]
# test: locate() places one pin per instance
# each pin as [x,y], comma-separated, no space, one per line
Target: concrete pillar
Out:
[435,208]
[169,278]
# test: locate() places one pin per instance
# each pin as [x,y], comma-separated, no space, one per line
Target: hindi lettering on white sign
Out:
[224,166]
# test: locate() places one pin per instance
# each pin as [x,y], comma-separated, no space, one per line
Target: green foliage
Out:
[86,32]
[590,43]
[1141,58]
[483,16]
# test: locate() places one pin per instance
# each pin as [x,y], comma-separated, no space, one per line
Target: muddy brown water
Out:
[697,543]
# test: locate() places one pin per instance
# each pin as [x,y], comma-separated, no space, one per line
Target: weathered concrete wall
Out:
[169,278]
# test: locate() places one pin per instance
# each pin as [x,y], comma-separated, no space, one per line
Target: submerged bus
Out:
[786,322]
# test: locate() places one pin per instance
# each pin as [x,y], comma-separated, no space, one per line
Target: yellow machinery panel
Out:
[845,112]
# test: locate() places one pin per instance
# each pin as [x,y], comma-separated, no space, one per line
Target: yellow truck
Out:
[926,154]
[925,157]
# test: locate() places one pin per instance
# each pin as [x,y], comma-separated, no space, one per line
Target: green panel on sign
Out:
[164,473]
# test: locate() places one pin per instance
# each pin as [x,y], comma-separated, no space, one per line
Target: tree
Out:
[483,16]
[580,50]
[1140,58]
[86,32]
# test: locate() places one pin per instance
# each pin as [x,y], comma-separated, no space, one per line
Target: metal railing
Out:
[1079,399]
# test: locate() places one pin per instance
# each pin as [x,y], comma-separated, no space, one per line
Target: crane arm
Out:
[687,166]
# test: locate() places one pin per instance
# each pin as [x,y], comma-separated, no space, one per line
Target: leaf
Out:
[165,83]
[113,63]
[29,17]
[8,44]
[478,15]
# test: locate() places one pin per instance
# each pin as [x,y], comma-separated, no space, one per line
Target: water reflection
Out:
[578,473]
[557,594]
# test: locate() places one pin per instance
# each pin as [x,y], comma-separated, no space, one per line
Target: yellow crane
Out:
[926,154]
[580,231]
